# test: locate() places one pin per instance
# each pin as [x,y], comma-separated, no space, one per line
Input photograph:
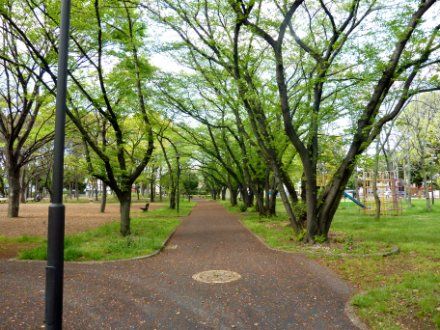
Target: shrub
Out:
[242,207]
[300,211]
[301,235]
[320,239]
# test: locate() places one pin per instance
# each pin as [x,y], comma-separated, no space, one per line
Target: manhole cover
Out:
[216,276]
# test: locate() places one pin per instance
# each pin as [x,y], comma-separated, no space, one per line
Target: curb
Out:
[394,250]
[92,262]
[351,314]
[152,254]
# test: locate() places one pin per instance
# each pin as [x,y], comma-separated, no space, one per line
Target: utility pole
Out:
[55,234]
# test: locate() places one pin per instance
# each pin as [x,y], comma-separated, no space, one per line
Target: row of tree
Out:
[288,90]
[409,148]
[112,124]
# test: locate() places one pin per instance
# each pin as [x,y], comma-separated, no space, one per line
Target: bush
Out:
[300,211]
[301,235]
[320,239]
[242,207]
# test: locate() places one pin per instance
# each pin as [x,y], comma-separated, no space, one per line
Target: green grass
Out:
[148,233]
[20,239]
[399,291]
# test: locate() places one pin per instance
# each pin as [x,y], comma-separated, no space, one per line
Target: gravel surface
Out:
[79,217]
[276,290]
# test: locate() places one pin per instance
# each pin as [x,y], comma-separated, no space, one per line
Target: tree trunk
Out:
[223,192]
[246,196]
[160,186]
[288,207]
[125,203]
[407,179]
[426,190]
[273,202]
[173,198]
[2,186]
[313,225]
[96,191]
[14,191]
[37,186]
[233,196]
[303,188]
[251,198]
[330,198]
[259,203]
[376,198]
[142,190]
[375,175]
[76,189]
[356,185]
[153,185]
[103,197]
[271,193]
[267,194]
[23,187]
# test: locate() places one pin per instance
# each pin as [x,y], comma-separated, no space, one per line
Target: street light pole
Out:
[178,183]
[55,234]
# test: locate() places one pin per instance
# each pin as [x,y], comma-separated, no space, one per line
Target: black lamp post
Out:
[55,233]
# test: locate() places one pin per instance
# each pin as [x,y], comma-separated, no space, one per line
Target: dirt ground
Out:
[11,249]
[79,217]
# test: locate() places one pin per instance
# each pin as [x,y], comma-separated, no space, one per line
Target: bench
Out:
[145,209]
[3,200]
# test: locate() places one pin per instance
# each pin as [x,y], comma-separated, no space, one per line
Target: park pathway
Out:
[276,291]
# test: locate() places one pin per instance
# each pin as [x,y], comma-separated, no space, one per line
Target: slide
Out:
[354,200]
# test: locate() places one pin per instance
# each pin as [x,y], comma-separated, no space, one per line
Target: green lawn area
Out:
[148,234]
[401,291]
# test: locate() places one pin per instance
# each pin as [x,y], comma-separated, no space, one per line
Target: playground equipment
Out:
[354,200]
[389,187]
[323,179]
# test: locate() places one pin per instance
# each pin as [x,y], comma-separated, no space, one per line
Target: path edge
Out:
[97,262]
[348,308]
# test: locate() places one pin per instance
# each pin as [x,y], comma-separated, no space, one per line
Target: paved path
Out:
[277,290]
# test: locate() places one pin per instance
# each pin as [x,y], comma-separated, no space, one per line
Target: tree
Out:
[102,33]
[323,70]
[417,124]
[223,139]
[25,115]
[190,183]
[172,166]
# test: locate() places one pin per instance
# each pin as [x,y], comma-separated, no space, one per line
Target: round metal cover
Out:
[216,276]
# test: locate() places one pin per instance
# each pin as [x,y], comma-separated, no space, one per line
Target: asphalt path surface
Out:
[276,290]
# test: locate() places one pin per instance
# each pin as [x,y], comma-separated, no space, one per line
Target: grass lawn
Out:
[401,291]
[148,233]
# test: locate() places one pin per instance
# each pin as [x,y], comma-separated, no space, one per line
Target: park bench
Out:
[145,208]
[3,200]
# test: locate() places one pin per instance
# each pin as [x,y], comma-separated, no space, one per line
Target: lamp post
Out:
[178,183]
[55,233]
